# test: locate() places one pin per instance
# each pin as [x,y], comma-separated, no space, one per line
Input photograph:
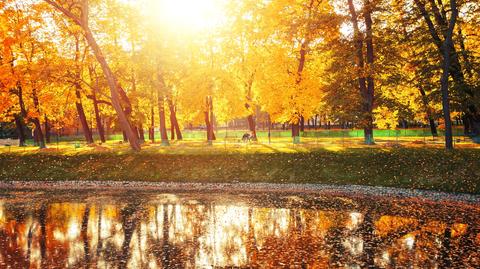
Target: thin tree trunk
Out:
[36,121]
[151,130]
[174,121]
[141,134]
[302,124]
[98,119]
[161,113]
[47,129]
[433,127]
[207,121]
[212,132]
[248,106]
[172,129]
[252,127]
[81,115]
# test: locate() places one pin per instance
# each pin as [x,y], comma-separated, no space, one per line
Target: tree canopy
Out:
[130,65]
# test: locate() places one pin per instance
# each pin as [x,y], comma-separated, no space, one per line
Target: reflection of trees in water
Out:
[11,239]
[136,234]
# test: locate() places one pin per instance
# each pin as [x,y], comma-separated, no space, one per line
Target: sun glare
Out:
[187,14]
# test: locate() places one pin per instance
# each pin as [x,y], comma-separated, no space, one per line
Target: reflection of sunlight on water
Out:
[2,215]
[213,235]
[409,241]
[223,245]
[355,219]
[73,229]
[270,221]
[354,244]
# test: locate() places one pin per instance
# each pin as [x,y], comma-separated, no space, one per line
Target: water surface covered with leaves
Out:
[139,229]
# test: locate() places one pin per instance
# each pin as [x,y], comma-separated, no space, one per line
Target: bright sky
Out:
[186,14]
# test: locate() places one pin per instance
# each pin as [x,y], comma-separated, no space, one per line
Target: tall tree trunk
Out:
[370,69]
[36,121]
[174,121]
[248,106]
[295,130]
[20,130]
[444,79]
[252,127]
[172,129]
[47,129]
[207,121]
[98,119]
[302,124]
[111,79]
[428,110]
[23,111]
[141,134]
[151,130]
[81,115]
[212,132]
[161,113]
[362,81]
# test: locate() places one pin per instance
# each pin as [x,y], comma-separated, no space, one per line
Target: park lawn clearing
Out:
[416,168]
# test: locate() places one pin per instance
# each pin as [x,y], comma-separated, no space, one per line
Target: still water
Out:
[86,229]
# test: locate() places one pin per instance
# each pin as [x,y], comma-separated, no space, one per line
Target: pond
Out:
[151,229]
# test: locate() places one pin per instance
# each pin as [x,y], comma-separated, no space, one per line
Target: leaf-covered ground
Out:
[421,168]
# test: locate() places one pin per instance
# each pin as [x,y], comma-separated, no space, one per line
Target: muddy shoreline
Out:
[240,187]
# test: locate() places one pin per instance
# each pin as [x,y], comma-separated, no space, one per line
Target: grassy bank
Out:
[422,168]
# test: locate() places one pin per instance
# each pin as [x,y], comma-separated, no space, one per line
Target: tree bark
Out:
[23,112]
[98,119]
[302,124]
[433,127]
[151,130]
[444,79]
[141,134]
[212,132]
[370,83]
[81,115]
[209,119]
[295,130]
[362,81]
[175,128]
[248,106]
[20,130]
[36,121]
[47,129]
[251,127]
[161,113]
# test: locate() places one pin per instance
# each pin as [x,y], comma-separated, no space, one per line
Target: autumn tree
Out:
[77,11]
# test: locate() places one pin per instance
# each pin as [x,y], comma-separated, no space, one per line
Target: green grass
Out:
[319,133]
[420,168]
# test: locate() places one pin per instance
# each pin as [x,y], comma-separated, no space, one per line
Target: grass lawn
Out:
[410,166]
